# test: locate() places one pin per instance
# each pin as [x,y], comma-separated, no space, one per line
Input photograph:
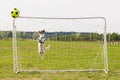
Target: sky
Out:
[62,8]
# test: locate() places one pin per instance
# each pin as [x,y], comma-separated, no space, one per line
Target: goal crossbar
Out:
[63,17]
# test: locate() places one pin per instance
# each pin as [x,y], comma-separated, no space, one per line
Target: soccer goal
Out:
[76,44]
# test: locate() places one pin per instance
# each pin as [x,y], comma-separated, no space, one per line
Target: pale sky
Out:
[62,8]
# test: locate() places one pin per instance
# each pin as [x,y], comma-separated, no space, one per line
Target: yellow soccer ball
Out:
[15,13]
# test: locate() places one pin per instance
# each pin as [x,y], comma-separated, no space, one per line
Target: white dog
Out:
[41,42]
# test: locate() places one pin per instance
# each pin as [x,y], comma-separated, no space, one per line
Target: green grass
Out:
[53,60]
[61,56]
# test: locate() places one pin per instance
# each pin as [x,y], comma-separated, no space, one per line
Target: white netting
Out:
[75,44]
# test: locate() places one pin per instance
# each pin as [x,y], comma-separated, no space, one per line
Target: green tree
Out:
[114,37]
[9,34]
[1,35]
[35,35]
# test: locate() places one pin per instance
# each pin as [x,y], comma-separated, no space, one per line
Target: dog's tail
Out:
[48,47]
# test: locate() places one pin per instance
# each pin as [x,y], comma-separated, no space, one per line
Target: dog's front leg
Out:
[39,48]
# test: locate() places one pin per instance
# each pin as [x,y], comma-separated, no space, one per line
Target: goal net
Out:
[75,44]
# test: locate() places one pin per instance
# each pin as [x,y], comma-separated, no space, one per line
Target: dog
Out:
[41,42]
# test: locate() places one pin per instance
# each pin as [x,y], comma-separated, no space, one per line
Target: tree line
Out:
[62,36]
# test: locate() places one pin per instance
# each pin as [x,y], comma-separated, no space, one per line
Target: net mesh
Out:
[75,44]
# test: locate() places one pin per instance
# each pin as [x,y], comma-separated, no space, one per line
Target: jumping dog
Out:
[41,42]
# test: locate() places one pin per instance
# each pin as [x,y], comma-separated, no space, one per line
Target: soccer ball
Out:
[15,13]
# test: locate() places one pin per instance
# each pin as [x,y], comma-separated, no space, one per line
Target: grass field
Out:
[6,63]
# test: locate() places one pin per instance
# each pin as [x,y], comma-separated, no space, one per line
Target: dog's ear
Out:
[39,31]
[43,30]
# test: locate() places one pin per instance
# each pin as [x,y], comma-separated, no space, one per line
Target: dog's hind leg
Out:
[42,53]
[42,56]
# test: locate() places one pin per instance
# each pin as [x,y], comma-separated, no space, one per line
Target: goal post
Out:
[77,44]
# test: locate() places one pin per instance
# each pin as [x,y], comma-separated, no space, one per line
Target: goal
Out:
[76,44]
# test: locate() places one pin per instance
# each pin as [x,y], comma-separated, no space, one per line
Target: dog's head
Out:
[42,36]
[42,32]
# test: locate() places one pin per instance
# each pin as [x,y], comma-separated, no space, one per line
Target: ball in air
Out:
[15,13]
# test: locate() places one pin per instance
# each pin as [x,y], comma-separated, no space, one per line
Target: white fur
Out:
[41,48]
